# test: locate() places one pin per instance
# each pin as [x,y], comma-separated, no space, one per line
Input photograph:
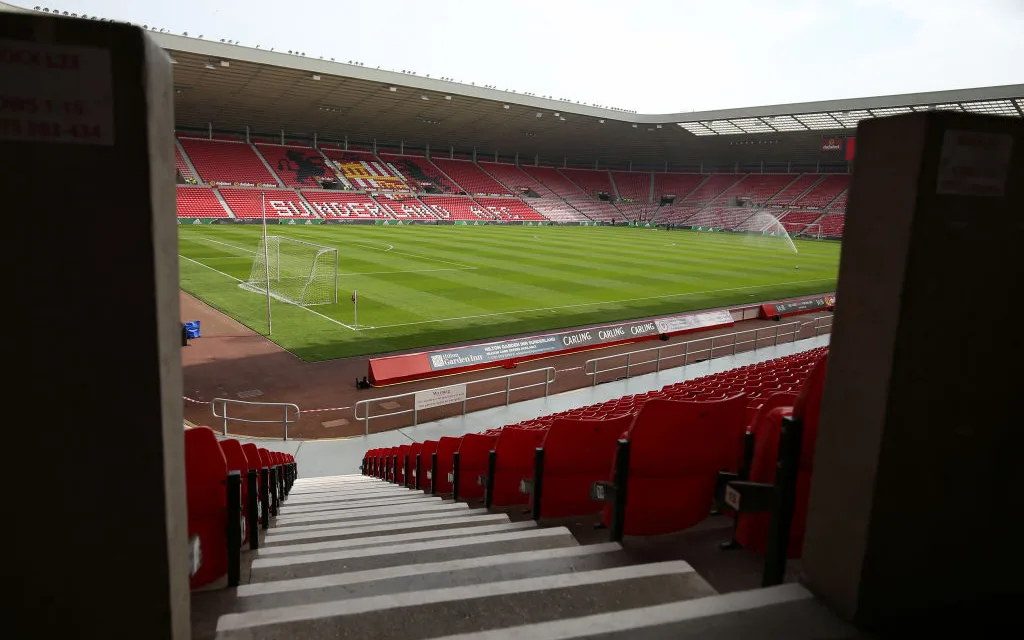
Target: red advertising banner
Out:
[851,148]
[831,144]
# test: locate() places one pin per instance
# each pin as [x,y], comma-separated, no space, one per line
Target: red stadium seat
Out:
[513,462]
[752,528]
[237,461]
[577,453]
[472,463]
[677,450]
[401,452]
[446,447]
[426,452]
[414,449]
[206,471]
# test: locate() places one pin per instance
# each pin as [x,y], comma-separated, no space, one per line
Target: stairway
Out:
[356,557]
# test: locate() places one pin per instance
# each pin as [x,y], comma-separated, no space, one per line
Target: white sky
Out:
[654,56]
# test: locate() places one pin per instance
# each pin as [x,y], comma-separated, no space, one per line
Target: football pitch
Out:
[425,285]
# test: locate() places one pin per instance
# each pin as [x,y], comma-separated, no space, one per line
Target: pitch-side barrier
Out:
[691,351]
[451,394]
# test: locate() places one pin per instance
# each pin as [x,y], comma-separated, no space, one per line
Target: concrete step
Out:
[472,608]
[430,575]
[435,514]
[371,540]
[303,485]
[286,509]
[383,529]
[363,513]
[786,612]
[321,564]
[355,494]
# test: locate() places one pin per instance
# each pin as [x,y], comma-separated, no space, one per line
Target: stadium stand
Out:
[679,185]
[638,211]
[280,203]
[456,208]
[683,435]
[721,218]
[590,181]
[339,204]
[712,187]
[471,178]
[180,165]
[824,192]
[832,225]
[509,209]
[597,210]
[555,182]
[633,185]
[420,174]
[515,179]
[227,162]
[794,190]
[797,221]
[199,202]
[363,171]
[676,214]
[295,164]
[758,187]
[839,204]
[557,210]
[404,207]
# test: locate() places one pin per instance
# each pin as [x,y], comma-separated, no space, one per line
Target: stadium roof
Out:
[233,87]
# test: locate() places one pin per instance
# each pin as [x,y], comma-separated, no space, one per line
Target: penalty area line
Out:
[594,304]
[316,313]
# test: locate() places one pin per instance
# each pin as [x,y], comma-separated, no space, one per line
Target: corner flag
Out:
[354,293]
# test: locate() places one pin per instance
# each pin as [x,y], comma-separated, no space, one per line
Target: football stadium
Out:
[434,359]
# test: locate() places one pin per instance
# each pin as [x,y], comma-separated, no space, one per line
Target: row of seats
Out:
[680,439]
[262,477]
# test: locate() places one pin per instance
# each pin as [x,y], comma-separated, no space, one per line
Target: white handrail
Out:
[592,367]
[284,420]
[549,377]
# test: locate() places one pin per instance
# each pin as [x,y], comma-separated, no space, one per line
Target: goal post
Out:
[812,231]
[298,272]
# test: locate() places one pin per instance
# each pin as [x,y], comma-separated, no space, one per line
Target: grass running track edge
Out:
[426,285]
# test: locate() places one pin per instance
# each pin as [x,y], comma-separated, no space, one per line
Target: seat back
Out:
[426,451]
[206,470]
[252,455]
[235,457]
[446,447]
[473,462]
[677,449]
[752,528]
[577,453]
[513,462]
[402,451]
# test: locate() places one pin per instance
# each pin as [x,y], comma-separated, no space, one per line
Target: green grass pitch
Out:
[422,285]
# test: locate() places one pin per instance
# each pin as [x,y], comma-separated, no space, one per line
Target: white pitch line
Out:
[373,273]
[228,245]
[592,304]
[316,313]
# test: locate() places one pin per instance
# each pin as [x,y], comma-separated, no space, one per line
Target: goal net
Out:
[812,231]
[300,273]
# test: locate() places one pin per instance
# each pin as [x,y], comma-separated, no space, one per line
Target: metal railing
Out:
[289,413]
[726,344]
[549,378]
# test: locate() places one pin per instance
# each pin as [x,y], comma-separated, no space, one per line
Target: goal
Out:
[300,273]
[812,231]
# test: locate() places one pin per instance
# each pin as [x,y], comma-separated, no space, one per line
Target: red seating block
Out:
[419,174]
[296,165]
[206,471]
[225,162]
[280,203]
[179,164]
[473,180]
[633,185]
[404,206]
[456,208]
[361,170]
[824,192]
[679,185]
[515,179]
[577,453]
[199,202]
[344,205]
[712,187]
[555,182]
[591,181]
[794,190]
[509,209]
